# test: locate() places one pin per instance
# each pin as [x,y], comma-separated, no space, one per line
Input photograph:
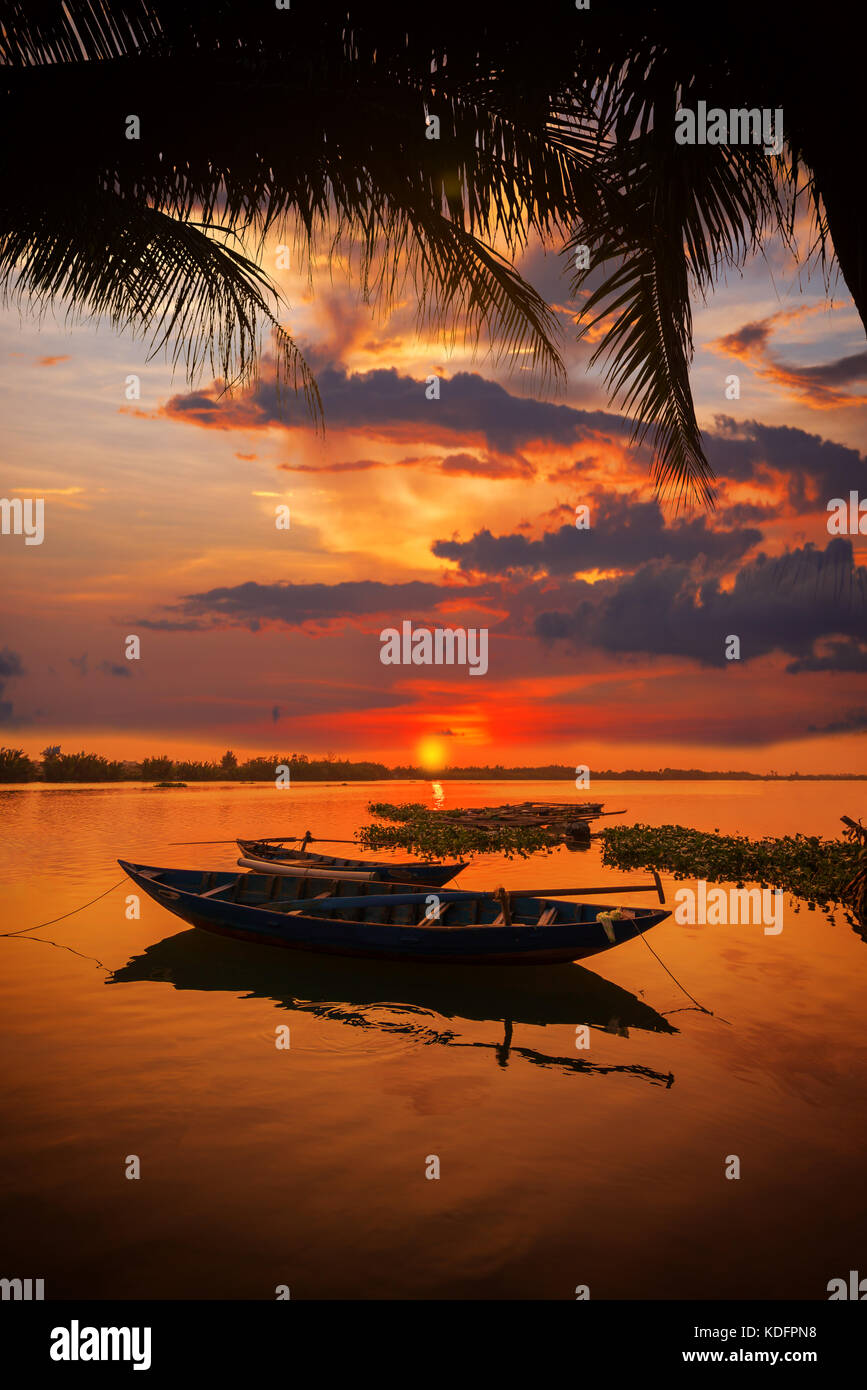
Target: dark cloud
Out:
[809,604]
[295,605]
[108,668]
[744,451]
[211,409]
[172,625]
[468,404]
[490,466]
[383,401]
[843,654]
[341,466]
[389,404]
[571,472]
[838,373]
[786,604]
[818,386]
[623,535]
[742,513]
[855,722]
[10,666]
[748,337]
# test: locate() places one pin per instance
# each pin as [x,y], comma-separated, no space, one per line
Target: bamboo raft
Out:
[571,820]
[855,892]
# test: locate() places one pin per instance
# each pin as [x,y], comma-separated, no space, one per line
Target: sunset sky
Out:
[606,646]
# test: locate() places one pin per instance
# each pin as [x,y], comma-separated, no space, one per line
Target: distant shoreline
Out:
[88,768]
[426,779]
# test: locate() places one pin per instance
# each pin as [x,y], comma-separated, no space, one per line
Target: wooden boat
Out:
[387,921]
[406,872]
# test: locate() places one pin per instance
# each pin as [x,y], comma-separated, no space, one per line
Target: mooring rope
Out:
[23,930]
[681,987]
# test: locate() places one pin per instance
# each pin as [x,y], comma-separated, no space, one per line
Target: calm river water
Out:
[305,1166]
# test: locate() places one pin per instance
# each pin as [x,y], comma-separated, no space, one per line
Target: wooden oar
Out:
[284,839]
[655,887]
[266,840]
[463,895]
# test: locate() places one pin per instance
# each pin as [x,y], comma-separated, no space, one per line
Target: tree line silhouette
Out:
[55,766]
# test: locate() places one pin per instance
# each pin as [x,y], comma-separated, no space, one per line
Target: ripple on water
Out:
[375,1030]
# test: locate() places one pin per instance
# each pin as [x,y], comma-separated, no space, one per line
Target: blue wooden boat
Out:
[409,871]
[385,921]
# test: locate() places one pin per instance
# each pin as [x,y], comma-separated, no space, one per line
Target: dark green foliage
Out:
[15,766]
[157,769]
[199,772]
[816,871]
[82,767]
[821,873]
[423,831]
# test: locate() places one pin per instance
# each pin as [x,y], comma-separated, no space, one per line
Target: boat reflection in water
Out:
[544,995]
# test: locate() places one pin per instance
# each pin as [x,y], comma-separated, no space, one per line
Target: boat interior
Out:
[283,893]
[287,853]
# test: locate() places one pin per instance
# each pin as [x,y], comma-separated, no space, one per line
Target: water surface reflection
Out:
[408,1001]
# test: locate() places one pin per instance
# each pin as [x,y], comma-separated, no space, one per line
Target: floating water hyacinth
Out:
[823,874]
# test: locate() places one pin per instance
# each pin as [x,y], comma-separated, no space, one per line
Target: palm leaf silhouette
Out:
[310,123]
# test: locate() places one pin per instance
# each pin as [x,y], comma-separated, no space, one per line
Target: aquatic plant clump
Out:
[425,832]
[819,872]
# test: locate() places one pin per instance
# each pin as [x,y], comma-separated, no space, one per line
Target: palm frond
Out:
[192,296]
[312,122]
[672,220]
[648,347]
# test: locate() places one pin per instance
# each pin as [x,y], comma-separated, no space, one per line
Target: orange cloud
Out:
[470,465]
[818,387]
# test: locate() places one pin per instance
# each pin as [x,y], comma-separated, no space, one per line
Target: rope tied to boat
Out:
[505,901]
[701,1008]
[39,925]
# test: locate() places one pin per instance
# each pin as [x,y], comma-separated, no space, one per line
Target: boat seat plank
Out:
[547,919]
[435,921]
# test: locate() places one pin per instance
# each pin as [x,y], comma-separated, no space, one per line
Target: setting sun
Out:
[432,753]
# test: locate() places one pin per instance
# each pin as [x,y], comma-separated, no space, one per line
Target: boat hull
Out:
[525,956]
[432,944]
[402,872]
